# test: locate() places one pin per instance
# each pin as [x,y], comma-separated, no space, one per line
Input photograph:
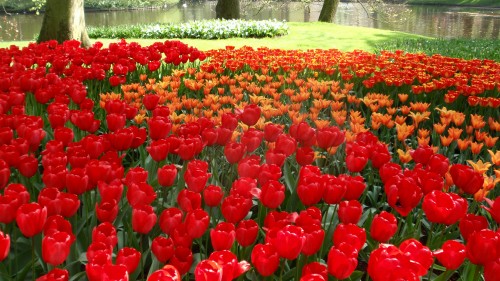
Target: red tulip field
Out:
[163,162]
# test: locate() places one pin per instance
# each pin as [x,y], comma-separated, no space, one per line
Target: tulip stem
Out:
[141,237]
[33,257]
[477,272]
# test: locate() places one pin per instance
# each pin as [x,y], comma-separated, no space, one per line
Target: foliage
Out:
[462,48]
[206,29]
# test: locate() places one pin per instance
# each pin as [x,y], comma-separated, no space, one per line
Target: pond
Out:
[433,21]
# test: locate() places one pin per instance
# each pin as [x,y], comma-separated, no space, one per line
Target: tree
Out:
[227,9]
[64,20]
[328,10]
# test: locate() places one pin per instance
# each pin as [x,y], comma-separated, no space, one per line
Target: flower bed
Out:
[205,29]
[131,162]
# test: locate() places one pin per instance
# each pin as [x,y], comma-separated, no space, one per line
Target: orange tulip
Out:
[454,132]
[477,121]
[495,157]
[446,140]
[490,141]
[463,144]
[476,147]
[404,156]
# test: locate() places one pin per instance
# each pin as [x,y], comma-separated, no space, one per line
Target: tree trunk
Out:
[328,10]
[227,9]
[64,20]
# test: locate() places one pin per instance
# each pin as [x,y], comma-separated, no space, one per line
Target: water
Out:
[433,21]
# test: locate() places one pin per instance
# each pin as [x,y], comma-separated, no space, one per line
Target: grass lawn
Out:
[314,35]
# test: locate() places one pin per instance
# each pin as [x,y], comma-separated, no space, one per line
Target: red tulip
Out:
[55,274]
[56,224]
[439,164]
[115,121]
[483,247]
[189,147]
[129,257]
[290,241]
[265,259]
[110,191]
[31,218]
[383,227]
[197,222]
[329,137]
[342,260]
[4,245]
[304,155]
[106,211]
[143,219]
[465,178]
[170,218]
[285,144]
[235,208]
[314,236]
[269,172]
[388,263]
[310,189]
[272,131]
[150,101]
[158,149]
[182,259]
[167,273]
[8,208]
[28,165]
[272,194]
[445,208]
[491,270]
[355,186]
[222,236]
[208,270]
[246,232]
[357,157]
[334,189]
[351,234]
[303,133]
[229,121]
[69,204]
[159,127]
[494,208]
[231,268]
[212,195]
[403,194]
[451,255]
[350,211]
[420,256]
[252,139]
[4,173]
[106,233]
[422,154]
[249,167]
[56,247]
[234,152]
[471,223]
[19,191]
[188,200]
[77,181]
[316,269]
[309,216]
[167,175]
[162,248]
[250,114]
[114,272]
[140,194]
[196,179]
[99,251]
[380,155]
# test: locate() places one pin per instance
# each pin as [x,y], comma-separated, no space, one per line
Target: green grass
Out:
[301,36]
[460,48]
[476,3]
